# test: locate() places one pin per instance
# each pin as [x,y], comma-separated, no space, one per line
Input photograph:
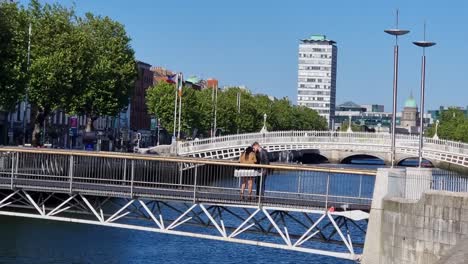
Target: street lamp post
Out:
[436,136]
[395,32]
[423,44]
[26,100]
[159,127]
[350,129]
[264,128]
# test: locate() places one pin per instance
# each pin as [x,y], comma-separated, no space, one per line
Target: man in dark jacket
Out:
[262,158]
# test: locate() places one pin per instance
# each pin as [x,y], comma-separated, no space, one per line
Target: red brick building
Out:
[139,117]
[160,74]
[211,83]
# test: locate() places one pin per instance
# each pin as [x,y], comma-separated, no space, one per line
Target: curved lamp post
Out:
[423,44]
[395,32]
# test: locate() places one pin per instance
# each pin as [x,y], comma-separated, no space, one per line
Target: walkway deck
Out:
[181,179]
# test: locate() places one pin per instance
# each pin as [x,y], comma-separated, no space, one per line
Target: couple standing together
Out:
[254,154]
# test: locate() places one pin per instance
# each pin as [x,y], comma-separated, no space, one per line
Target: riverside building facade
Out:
[317,76]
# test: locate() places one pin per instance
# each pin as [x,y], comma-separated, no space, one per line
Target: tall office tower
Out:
[316,86]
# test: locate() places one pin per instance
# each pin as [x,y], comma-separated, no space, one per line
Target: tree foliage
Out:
[109,66]
[82,65]
[13,50]
[198,111]
[56,61]
[453,126]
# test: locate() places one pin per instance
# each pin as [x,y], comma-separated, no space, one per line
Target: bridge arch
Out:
[379,159]
[314,157]
[426,162]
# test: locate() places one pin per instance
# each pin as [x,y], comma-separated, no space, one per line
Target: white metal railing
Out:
[129,175]
[404,143]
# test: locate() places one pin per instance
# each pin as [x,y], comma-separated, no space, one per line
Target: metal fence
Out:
[415,181]
[197,180]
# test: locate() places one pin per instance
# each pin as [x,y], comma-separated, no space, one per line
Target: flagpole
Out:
[180,104]
[238,110]
[26,101]
[175,105]
[215,108]
[212,109]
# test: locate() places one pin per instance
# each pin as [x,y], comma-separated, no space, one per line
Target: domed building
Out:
[410,116]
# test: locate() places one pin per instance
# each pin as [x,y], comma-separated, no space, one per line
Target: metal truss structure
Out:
[302,230]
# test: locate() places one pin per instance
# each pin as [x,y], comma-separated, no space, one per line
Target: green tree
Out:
[281,117]
[453,126]
[229,118]
[160,102]
[197,111]
[354,127]
[56,61]
[110,69]
[204,110]
[13,50]
[307,119]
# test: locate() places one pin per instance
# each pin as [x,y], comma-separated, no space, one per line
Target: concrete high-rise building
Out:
[316,87]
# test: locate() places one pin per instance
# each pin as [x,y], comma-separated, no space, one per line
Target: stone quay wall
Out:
[425,231]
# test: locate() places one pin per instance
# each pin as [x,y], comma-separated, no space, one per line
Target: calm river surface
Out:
[37,241]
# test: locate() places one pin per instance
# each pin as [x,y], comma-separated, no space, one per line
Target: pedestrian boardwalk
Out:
[185,179]
[302,208]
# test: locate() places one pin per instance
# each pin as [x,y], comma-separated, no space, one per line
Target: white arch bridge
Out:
[335,146]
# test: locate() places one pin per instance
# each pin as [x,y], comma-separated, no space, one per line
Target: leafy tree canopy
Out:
[13,54]
[453,126]
[198,111]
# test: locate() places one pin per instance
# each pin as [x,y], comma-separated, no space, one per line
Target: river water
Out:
[38,241]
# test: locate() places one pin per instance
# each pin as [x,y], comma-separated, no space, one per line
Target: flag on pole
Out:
[180,83]
[171,78]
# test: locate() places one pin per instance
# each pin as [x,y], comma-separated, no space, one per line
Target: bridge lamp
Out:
[423,44]
[436,136]
[395,32]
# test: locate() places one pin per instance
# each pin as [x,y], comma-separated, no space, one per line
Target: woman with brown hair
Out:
[248,157]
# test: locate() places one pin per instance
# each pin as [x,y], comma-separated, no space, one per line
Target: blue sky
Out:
[255,43]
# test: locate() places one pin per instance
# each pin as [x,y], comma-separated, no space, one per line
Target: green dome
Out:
[410,102]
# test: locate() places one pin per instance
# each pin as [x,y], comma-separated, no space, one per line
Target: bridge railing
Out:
[326,137]
[186,179]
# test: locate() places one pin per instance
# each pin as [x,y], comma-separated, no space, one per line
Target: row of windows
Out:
[304,48]
[315,105]
[305,74]
[314,68]
[302,92]
[314,55]
[313,74]
[316,62]
[305,98]
[318,80]
[314,86]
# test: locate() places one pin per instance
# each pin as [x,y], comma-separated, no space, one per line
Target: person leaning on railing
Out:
[248,157]
[262,158]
